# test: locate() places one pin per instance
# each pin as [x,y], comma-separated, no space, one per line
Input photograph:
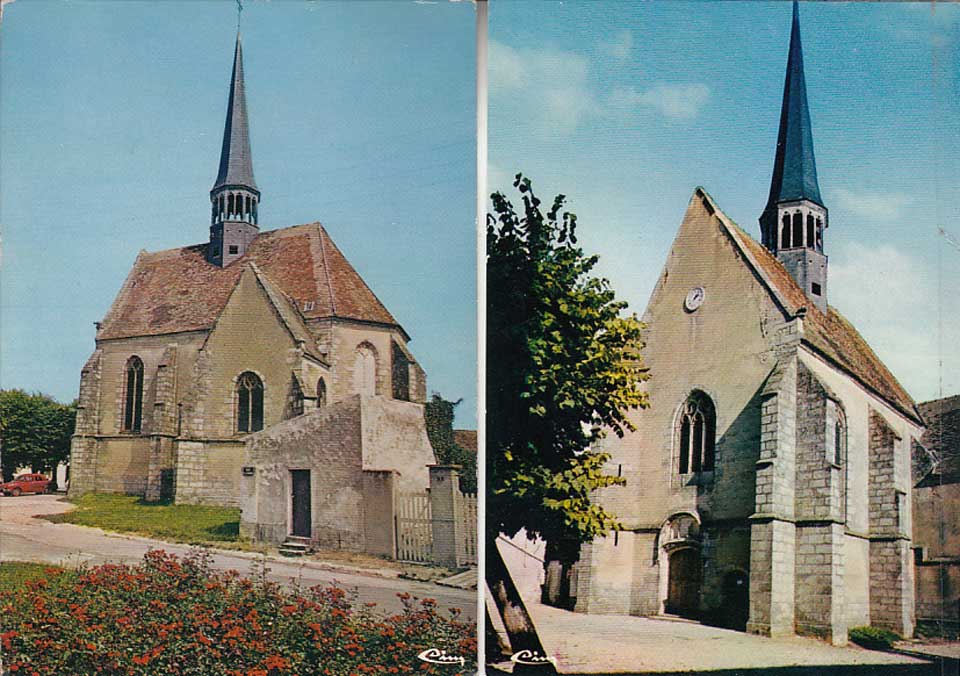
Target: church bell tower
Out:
[235,199]
[794,220]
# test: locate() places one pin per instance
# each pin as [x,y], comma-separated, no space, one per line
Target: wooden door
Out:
[683,593]
[300,502]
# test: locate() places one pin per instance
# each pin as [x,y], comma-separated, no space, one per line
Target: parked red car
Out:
[26,483]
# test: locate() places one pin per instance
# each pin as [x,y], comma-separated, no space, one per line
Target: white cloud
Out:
[550,86]
[675,101]
[506,68]
[892,299]
[873,205]
[619,47]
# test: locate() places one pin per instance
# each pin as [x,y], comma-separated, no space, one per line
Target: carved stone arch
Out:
[678,545]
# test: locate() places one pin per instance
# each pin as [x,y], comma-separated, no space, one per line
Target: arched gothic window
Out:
[365,370]
[249,403]
[697,430]
[321,393]
[133,396]
[785,232]
[810,242]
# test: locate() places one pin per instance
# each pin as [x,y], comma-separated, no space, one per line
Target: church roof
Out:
[794,168]
[178,290]
[236,161]
[829,334]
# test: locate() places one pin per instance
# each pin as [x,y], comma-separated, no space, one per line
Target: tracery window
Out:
[697,430]
[249,403]
[133,396]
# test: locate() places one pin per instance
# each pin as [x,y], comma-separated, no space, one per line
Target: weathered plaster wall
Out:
[395,437]
[248,336]
[343,444]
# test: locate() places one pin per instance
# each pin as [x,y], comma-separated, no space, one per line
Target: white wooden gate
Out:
[467,530]
[414,527]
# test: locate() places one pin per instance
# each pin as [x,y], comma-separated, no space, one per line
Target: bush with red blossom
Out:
[170,615]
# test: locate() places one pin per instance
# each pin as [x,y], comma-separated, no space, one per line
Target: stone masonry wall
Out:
[327,442]
[773,536]
[891,569]
[83,445]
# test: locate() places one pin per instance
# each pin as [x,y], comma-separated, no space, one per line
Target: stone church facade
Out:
[768,484]
[207,346]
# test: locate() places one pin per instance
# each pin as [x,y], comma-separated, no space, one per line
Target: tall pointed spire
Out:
[235,199]
[795,169]
[236,161]
[795,218]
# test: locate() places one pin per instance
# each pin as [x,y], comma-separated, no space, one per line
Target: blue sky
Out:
[362,116]
[627,107]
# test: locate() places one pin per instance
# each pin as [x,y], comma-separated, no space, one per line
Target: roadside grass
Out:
[15,574]
[190,524]
[207,525]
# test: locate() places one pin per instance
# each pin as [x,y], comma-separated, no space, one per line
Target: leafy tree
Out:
[563,369]
[438,413]
[35,431]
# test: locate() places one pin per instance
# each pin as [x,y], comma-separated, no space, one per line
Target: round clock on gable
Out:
[694,298]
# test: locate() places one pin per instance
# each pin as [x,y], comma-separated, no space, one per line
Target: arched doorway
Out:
[681,566]
[683,588]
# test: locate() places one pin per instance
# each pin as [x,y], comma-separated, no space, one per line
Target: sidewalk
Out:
[609,644]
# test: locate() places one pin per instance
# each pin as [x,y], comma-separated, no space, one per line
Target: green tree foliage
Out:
[563,368]
[35,431]
[438,413]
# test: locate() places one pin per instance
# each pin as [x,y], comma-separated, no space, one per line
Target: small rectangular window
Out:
[816,289]
[234,249]
[901,511]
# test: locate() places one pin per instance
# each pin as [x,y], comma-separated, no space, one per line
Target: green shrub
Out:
[170,615]
[873,637]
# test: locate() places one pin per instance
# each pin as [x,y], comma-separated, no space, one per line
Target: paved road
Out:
[25,538]
[619,644]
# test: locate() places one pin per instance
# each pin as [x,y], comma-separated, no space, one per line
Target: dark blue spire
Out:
[236,162]
[794,169]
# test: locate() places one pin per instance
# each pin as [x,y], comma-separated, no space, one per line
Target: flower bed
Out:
[170,615]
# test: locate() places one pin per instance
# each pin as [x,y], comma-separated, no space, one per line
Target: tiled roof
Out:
[466,439]
[829,334]
[178,290]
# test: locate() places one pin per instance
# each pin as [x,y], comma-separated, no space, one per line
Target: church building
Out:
[209,346]
[768,485]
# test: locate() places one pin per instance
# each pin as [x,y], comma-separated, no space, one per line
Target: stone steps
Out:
[295,546]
